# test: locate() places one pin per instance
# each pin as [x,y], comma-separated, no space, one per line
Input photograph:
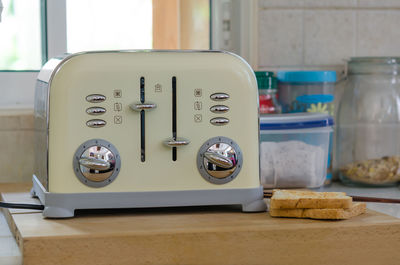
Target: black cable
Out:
[21,206]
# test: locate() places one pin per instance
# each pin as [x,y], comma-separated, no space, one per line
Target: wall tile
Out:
[329,36]
[280,37]
[378,3]
[280,3]
[16,119]
[378,33]
[16,155]
[330,3]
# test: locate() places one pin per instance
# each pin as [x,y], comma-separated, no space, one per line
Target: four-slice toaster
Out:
[127,129]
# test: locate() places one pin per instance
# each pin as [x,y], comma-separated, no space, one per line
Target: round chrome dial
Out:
[219,160]
[96,163]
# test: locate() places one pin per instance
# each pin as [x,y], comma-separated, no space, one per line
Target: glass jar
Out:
[267,93]
[368,123]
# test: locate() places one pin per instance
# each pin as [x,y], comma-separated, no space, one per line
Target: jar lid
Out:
[307,76]
[266,80]
[374,65]
[303,120]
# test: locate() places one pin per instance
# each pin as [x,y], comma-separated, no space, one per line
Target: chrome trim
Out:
[219,109]
[95,98]
[176,143]
[96,123]
[95,110]
[94,163]
[219,121]
[142,106]
[220,96]
[214,172]
[218,159]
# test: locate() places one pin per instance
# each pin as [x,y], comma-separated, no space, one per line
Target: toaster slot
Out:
[174,155]
[142,122]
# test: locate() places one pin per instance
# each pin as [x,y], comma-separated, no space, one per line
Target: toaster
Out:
[133,129]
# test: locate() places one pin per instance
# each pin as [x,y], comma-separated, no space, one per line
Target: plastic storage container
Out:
[294,149]
[368,123]
[307,91]
[267,93]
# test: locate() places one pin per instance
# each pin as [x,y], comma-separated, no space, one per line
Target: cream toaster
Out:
[130,129]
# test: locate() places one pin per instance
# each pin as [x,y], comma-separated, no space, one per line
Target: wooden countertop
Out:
[199,235]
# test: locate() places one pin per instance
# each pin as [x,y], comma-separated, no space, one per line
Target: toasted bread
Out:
[303,199]
[331,214]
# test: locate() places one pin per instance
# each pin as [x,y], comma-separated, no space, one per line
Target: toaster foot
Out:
[255,206]
[33,193]
[57,212]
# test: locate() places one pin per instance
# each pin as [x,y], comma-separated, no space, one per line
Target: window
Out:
[21,35]
[42,29]
[105,25]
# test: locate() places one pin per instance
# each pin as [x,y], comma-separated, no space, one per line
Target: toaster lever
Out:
[218,159]
[142,106]
[94,163]
[176,143]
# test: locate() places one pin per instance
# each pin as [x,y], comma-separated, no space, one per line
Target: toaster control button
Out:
[96,123]
[96,163]
[95,110]
[219,160]
[95,98]
[176,143]
[219,96]
[142,106]
[219,121]
[219,109]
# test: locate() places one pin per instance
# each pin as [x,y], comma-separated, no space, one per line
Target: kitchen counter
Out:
[222,231]
[392,209]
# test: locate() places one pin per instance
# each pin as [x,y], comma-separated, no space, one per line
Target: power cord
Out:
[21,206]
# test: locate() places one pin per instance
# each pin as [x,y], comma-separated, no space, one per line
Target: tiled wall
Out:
[16,145]
[322,33]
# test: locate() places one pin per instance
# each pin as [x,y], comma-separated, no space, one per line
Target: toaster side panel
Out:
[118,77]
[40,134]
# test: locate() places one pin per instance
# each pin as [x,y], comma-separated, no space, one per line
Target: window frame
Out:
[17,86]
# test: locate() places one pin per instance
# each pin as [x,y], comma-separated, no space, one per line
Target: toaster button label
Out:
[95,98]
[219,96]
[117,106]
[219,121]
[96,123]
[198,118]
[117,119]
[198,92]
[158,88]
[197,105]
[117,93]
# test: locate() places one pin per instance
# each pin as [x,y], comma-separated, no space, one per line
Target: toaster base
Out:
[63,205]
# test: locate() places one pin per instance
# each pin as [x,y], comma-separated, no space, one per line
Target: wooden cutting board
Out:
[199,235]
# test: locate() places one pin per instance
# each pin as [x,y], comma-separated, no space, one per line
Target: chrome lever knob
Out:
[218,159]
[94,163]
[142,106]
[176,143]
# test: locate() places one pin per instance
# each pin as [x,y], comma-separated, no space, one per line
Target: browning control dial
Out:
[219,160]
[96,163]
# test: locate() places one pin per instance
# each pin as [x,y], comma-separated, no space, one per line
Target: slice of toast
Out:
[357,208]
[303,199]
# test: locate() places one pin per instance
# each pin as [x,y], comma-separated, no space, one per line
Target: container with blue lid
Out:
[294,149]
[307,91]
